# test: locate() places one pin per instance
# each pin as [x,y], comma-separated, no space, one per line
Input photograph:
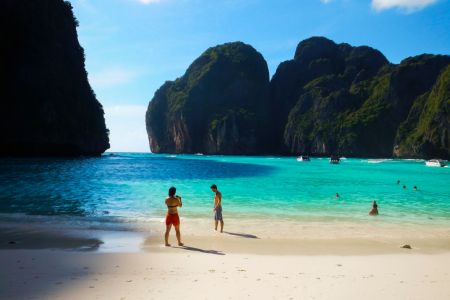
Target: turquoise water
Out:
[126,186]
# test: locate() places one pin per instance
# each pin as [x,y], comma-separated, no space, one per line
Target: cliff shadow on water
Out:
[79,187]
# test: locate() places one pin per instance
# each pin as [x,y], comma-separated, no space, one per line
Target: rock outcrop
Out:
[426,130]
[47,104]
[219,106]
[311,94]
[338,99]
[331,99]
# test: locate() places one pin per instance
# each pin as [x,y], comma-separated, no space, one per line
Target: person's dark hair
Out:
[214,186]
[172,191]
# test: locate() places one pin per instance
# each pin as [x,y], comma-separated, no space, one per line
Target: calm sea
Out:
[117,188]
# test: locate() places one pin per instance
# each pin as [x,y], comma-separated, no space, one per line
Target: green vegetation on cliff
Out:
[219,105]
[426,131]
[355,103]
[330,99]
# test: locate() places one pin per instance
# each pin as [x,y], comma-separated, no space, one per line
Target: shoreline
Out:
[259,238]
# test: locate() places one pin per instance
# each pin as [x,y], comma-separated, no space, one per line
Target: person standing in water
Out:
[374,210]
[217,207]
[172,218]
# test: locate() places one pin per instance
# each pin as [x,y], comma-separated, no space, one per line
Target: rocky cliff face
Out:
[219,106]
[310,93]
[426,130]
[338,99]
[47,104]
[330,99]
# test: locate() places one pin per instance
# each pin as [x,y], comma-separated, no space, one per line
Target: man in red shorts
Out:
[172,218]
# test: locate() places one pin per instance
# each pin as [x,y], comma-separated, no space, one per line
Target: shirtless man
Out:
[172,218]
[217,207]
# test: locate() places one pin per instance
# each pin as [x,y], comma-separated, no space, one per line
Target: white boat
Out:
[434,163]
[303,158]
[377,161]
[334,160]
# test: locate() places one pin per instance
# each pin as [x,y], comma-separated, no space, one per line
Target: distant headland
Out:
[330,99]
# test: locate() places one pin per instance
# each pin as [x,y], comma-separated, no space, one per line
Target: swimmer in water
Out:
[398,181]
[415,188]
[404,187]
[337,196]
[374,210]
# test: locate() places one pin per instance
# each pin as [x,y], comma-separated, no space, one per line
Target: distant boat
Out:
[199,153]
[434,163]
[335,160]
[303,158]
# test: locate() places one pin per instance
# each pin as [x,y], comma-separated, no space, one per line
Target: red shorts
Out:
[172,219]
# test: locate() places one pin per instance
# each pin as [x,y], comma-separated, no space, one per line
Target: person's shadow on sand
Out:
[243,235]
[189,248]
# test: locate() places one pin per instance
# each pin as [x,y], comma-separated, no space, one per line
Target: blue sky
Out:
[133,46]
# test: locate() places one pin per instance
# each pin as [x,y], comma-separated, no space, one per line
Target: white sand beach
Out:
[191,274]
[233,265]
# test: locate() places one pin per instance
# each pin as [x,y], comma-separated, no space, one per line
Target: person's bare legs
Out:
[166,236]
[221,226]
[216,222]
[177,231]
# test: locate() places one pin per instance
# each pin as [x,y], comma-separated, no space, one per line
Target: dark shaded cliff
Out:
[219,106]
[331,99]
[426,131]
[47,104]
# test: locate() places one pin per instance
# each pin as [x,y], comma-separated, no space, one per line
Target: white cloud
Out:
[127,128]
[406,5]
[112,77]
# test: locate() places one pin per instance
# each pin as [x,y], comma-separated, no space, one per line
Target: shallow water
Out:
[122,187]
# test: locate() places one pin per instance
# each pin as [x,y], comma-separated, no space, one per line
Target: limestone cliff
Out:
[219,106]
[47,104]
